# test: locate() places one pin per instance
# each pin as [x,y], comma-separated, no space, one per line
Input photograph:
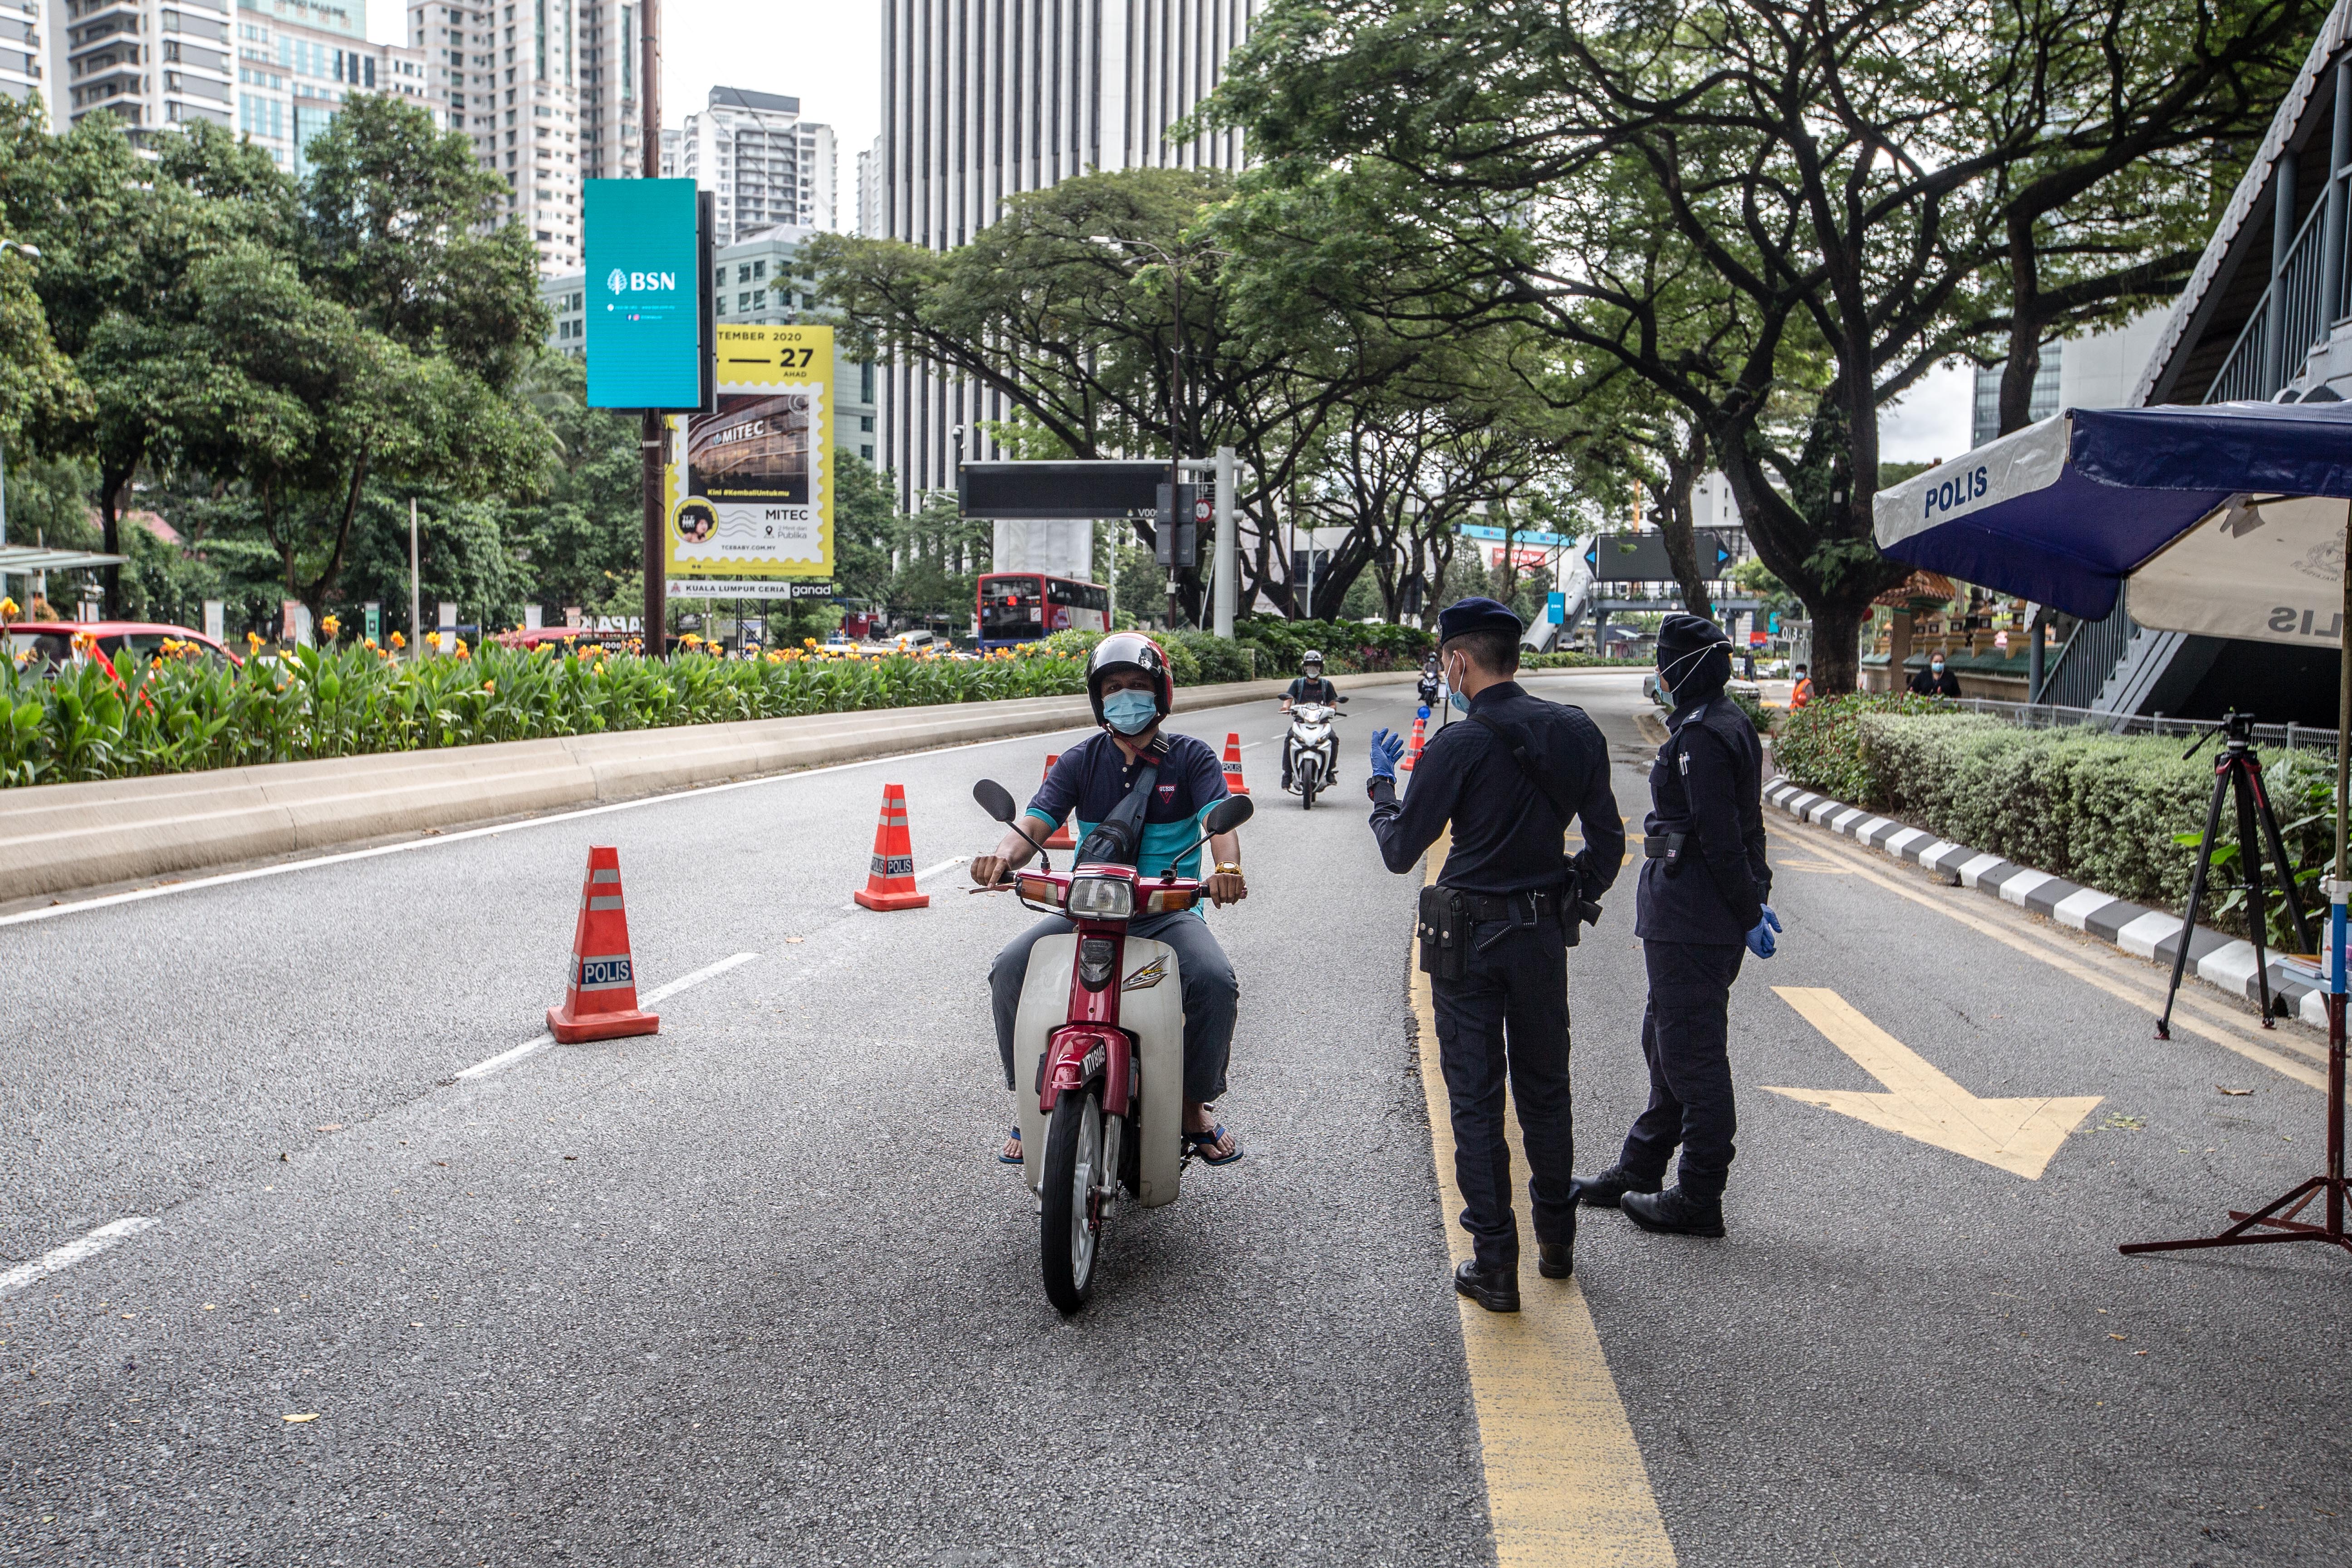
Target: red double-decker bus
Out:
[1021,606]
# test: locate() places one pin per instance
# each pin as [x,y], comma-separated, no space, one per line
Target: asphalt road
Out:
[754,1290]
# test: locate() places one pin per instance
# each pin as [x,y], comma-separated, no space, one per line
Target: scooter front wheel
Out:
[1069,1222]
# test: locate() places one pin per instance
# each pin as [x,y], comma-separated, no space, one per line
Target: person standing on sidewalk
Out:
[1496,926]
[1704,883]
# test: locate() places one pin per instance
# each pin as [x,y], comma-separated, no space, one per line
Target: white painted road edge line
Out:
[661,994]
[950,864]
[191,884]
[15,1279]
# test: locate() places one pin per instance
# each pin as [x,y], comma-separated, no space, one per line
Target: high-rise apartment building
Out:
[766,165]
[869,192]
[612,120]
[985,99]
[155,64]
[508,75]
[296,64]
[24,49]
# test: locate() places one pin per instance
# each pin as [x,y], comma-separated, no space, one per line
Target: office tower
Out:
[984,99]
[508,75]
[296,63]
[153,66]
[766,165]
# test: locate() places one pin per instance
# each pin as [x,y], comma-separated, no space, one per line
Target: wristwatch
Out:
[1228,868]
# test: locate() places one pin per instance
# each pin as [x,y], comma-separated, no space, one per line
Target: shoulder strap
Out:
[1528,766]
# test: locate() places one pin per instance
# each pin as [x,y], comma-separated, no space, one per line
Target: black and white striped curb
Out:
[2218,960]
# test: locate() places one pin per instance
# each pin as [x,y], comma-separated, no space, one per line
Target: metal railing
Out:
[2051,716]
[2250,375]
[2081,670]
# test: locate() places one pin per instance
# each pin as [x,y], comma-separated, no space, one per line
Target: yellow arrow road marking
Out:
[2016,1135]
[1565,1486]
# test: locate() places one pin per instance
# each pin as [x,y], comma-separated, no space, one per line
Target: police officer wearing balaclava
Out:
[1702,903]
[1497,925]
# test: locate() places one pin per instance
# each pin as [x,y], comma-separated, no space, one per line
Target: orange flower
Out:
[399,641]
[330,627]
[489,688]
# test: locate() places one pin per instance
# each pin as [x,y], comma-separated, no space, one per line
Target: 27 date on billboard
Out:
[750,486]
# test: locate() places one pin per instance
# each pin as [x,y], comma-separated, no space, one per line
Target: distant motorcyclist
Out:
[1132,691]
[1310,686]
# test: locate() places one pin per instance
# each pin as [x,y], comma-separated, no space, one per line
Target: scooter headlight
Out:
[1101,898]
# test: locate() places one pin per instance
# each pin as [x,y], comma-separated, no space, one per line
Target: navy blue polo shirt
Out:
[1092,778]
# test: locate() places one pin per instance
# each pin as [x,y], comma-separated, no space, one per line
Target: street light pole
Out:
[654,435]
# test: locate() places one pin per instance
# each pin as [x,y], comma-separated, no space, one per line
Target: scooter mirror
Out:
[1229,814]
[994,799]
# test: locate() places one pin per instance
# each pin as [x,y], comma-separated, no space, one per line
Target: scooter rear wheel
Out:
[1069,1222]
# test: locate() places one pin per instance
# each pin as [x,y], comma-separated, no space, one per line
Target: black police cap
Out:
[1476,615]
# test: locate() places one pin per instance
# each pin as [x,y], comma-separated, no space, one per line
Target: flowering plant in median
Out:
[183,713]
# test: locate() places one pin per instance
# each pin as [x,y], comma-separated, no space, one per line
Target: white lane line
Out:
[193,883]
[71,1252]
[508,1058]
[950,864]
[660,993]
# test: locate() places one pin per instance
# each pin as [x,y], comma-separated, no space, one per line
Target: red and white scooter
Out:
[1102,1016]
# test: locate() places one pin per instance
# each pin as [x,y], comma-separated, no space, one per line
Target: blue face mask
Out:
[1130,713]
[1454,697]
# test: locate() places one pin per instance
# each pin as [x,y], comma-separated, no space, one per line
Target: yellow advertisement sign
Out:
[750,487]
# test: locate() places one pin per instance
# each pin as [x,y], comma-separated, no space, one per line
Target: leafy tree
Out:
[1780,215]
[1080,339]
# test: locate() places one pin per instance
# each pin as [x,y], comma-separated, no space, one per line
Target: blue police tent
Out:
[2226,520]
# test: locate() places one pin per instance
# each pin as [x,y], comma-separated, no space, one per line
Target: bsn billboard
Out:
[643,286]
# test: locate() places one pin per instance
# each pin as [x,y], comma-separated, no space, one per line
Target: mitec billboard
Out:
[646,286]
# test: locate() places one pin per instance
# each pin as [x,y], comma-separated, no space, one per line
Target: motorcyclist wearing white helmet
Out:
[1132,691]
[1310,686]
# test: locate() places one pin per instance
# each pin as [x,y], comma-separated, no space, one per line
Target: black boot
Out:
[1603,1191]
[1496,1289]
[1674,1212]
[1555,1260]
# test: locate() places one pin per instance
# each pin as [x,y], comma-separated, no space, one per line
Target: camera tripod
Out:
[2238,773]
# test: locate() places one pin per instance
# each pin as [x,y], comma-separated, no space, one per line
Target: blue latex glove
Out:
[1759,940]
[1387,751]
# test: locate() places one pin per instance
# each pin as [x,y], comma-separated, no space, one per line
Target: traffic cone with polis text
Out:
[1413,748]
[600,1000]
[1233,784]
[1061,838]
[890,884]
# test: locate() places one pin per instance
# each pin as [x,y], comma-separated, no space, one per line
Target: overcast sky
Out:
[828,55]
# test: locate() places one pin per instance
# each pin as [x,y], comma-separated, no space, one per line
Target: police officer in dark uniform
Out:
[1705,881]
[1497,928]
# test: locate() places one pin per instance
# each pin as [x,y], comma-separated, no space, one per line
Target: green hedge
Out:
[182,713]
[2121,813]
[1348,647]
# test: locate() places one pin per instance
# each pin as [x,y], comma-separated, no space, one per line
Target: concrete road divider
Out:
[58,837]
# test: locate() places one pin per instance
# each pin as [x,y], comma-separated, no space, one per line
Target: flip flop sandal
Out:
[1194,1142]
[1004,1159]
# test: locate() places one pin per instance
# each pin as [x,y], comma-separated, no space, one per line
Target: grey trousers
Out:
[1210,993]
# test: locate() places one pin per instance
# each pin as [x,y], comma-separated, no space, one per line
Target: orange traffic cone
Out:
[600,1003]
[1061,838]
[1233,784]
[890,885]
[1413,748]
